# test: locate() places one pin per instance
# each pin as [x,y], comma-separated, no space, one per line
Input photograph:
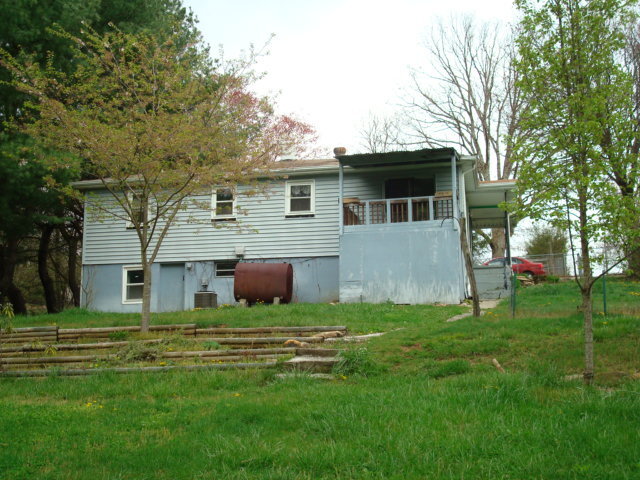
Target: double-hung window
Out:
[223,204]
[132,284]
[300,198]
[136,208]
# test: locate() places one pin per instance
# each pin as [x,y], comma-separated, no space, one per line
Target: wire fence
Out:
[554,263]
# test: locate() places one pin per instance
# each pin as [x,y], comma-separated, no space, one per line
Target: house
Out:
[356,228]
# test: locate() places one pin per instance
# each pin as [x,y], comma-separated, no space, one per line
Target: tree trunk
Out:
[498,242]
[633,259]
[586,290]
[9,260]
[72,270]
[145,321]
[17,299]
[466,251]
[50,296]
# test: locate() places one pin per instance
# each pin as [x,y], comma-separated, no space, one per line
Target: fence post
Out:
[514,279]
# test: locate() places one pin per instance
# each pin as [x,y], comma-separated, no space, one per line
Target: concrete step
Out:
[311,363]
[317,352]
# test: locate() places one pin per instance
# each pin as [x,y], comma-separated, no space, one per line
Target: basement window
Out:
[225,269]
[132,284]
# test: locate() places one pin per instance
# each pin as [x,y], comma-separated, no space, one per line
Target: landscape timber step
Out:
[281,331]
[250,341]
[8,351]
[92,371]
[317,352]
[214,355]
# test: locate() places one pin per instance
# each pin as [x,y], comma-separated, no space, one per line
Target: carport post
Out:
[507,226]
[340,195]
[454,189]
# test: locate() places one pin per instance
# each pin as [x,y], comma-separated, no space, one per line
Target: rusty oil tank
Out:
[262,282]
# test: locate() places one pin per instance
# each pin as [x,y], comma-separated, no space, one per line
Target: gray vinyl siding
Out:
[265,232]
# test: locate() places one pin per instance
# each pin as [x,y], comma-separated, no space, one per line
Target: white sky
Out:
[332,62]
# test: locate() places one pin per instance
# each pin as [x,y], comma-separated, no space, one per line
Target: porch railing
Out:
[396,210]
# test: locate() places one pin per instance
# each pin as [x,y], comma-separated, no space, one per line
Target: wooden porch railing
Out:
[396,210]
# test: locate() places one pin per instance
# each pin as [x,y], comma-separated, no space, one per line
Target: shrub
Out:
[356,361]
[211,345]
[6,314]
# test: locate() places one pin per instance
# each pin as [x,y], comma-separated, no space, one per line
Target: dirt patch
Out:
[409,348]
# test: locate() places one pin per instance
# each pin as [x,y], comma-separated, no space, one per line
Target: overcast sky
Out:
[332,62]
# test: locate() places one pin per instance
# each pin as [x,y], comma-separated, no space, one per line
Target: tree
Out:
[625,175]
[155,124]
[28,199]
[578,99]
[545,240]
[25,29]
[381,134]
[470,97]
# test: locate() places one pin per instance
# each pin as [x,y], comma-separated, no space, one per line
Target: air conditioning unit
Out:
[205,300]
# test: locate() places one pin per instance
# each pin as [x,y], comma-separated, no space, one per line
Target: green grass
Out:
[422,401]
[360,318]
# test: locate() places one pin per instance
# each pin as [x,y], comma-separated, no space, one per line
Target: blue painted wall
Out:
[315,280]
[402,264]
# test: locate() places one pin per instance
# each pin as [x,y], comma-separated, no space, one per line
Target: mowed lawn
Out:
[422,401]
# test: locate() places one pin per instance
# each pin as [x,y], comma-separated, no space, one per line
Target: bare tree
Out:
[626,176]
[469,97]
[381,134]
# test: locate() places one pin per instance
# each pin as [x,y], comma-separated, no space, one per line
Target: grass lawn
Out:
[422,401]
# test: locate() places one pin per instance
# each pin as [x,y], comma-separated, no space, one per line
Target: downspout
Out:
[512,274]
[456,218]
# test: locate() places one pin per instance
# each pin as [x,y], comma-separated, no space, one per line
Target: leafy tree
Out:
[545,240]
[578,96]
[29,198]
[25,29]
[155,124]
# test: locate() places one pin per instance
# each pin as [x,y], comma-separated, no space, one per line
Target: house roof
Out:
[484,202]
[290,166]
[415,157]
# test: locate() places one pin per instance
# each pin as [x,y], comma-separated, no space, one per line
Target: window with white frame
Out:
[132,284]
[223,204]
[136,209]
[300,197]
